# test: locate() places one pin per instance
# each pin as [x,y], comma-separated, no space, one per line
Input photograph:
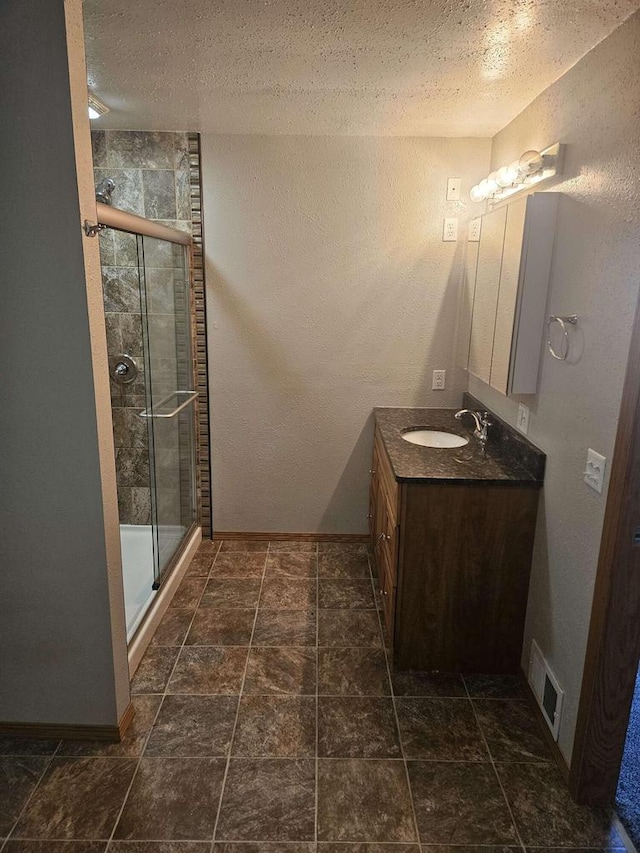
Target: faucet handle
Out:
[483,431]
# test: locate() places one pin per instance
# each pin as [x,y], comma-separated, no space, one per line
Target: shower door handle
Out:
[150,414]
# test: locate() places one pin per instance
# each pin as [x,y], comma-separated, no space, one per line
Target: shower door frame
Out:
[113,217]
[121,220]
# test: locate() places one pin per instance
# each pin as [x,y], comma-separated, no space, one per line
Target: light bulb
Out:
[96,107]
[492,184]
[515,168]
[476,193]
[530,162]
[506,176]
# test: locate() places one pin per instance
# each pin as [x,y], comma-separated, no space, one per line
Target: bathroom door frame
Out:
[613,647]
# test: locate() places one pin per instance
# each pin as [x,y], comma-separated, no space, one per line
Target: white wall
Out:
[594,109]
[63,654]
[329,292]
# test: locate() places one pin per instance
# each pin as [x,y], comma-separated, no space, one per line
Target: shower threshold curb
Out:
[161,602]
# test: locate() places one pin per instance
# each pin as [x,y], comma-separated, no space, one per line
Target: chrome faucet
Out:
[482,423]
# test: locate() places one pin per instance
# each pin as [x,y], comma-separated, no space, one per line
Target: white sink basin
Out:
[434,438]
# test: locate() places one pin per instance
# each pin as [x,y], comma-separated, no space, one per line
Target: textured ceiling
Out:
[379,67]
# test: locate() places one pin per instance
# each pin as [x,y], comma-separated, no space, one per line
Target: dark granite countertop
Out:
[509,458]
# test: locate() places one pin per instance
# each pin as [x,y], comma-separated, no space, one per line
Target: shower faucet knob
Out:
[123,368]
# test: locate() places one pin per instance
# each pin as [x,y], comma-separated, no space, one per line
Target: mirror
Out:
[504,294]
[507,295]
[483,319]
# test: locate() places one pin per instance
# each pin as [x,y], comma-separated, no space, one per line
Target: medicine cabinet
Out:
[504,301]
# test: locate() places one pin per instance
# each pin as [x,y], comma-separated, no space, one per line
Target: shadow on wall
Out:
[332,293]
[442,356]
[347,488]
[354,474]
[284,379]
[544,611]
[268,355]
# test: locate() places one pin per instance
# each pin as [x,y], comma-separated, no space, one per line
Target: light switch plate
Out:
[453,189]
[450,230]
[522,421]
[474,230]
[594,472]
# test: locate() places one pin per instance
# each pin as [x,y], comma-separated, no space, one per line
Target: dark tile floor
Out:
[266,721]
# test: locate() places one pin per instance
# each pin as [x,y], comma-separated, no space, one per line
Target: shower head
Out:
[104,190]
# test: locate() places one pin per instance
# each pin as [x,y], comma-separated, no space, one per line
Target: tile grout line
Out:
[395,710]
[289,757]
[347,845]
[30,797]
[240,695]
[139,757]
[493,765]
[310,695]
[286,845]
[317,763]
[163,694]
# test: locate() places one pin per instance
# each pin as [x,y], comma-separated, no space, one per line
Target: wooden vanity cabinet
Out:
[453,563]
[383,518]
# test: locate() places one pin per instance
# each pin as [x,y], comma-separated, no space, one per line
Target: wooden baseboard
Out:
[57,731]
[559,758]
[293,537]
[125,721]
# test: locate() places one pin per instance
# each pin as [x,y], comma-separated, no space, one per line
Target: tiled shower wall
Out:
[119,258]
[157,176]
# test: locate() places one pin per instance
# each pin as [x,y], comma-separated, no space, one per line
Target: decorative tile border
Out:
[203,462]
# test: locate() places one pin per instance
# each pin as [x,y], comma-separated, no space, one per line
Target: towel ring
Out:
[564,349]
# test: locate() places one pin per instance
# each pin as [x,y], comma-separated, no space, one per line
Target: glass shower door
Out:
[170,398]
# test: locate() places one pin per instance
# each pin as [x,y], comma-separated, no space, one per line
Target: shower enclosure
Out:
[145,273]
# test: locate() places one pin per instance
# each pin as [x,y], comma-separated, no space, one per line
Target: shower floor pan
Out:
[136,546]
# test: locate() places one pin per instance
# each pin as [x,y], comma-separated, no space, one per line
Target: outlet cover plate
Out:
[475,227]
[594,472]
[522,421]
[450,230]
[439,379]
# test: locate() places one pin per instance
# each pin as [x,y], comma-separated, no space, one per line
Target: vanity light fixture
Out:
[530,169]
[96,107]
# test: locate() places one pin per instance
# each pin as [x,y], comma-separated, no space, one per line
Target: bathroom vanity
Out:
[452,532]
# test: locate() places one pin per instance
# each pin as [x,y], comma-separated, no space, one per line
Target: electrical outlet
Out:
[474,230]
[594,472]
[450,230]
[522,421]
[453,189]
[439,380]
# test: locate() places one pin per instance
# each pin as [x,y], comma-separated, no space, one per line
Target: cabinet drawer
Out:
[385,475]
[373,500]
[388,595]
[389,544]
[374,492]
